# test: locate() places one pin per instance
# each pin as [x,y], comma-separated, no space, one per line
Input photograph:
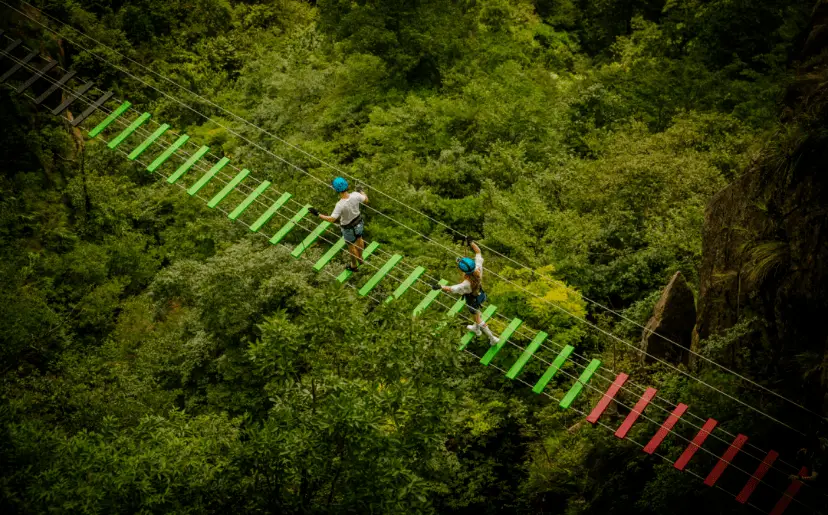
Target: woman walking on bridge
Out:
[472,290]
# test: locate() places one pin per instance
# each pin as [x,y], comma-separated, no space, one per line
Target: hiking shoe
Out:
[473,328]
[494,341]
[352,268]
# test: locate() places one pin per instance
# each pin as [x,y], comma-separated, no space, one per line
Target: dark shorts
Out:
[474,304]
[352,234]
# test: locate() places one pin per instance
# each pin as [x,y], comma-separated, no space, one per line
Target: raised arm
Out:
[361,190]
[474,247]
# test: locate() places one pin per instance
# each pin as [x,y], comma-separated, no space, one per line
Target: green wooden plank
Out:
[586,375]
[310,239]
[428,299]
[553,368]
[167,153]
[537,341]
[249,200]
[188,164]
[279,236]
[333,251]
[504,339]
[147,142]
[367,252]
[459,305]
[109,119]
[469,336]
[195,188]
[267,215]
[229,188]
[381,273]
[402,288]
[127,132]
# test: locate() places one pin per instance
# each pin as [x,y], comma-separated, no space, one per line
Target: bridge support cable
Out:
[294,166]
[582,383]
[250,124]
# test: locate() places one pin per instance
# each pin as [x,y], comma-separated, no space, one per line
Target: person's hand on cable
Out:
[474,246]
[313,211]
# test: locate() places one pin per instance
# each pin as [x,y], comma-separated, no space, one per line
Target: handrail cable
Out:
[379,302]
[583,320]
[444,305]
[122,122]
[438,302]
[264,131]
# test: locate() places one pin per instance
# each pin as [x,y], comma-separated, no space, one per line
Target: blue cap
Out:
[466,265]
[339,184]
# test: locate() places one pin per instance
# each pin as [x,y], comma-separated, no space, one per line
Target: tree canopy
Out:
[157,359]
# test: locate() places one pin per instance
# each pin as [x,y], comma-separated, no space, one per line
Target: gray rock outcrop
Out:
[672,323]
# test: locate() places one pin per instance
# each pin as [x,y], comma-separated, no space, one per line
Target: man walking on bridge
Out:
[347,214]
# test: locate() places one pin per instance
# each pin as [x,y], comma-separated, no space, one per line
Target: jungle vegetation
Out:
[157,358]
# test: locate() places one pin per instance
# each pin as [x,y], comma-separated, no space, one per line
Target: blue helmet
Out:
[339,184]
[466,265]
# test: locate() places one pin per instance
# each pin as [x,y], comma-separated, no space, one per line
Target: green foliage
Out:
[723,347]
[765,257]
[158,359]
[175,463]
[539,299]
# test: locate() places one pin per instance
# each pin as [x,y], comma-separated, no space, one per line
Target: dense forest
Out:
[158,358]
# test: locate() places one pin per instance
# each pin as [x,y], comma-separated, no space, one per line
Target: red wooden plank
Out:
[694,446]
[608,396]
[665,428]
[725,460]
[789,494]
[757,476]
[635,413]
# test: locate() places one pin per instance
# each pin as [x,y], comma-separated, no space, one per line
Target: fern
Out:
[765,257]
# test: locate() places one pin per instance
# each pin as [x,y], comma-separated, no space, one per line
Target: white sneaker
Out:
[474,328]
[494,341]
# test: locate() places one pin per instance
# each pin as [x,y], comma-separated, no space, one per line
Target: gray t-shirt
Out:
[347,209]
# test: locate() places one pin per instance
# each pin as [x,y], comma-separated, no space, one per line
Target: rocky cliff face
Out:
[673,318]
[765,249]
